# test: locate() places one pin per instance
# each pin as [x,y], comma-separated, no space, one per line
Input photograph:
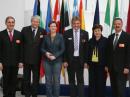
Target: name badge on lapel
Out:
[18,41]
[41,36]
[121,45]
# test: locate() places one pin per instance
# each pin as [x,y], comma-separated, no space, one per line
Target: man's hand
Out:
[1,66]
[126,71]
[65,64]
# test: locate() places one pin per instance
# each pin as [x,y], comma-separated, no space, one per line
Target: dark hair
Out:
[52,23]
[9,17]
[75,18]
[97,26]
[117,18]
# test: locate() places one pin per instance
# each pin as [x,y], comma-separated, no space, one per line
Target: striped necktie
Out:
[76,41]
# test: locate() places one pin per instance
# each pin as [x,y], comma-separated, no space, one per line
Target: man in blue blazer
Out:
[76,41]
[118,58]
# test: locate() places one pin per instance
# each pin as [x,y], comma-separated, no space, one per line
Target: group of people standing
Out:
[74,50]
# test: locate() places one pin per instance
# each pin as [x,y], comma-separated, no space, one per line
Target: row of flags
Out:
[62,15]
[108,28]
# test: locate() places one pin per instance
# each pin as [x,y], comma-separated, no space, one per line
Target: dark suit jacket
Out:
[10,52]
[101,44]
[56,47]
[31,45]
[69,46]
[119,58]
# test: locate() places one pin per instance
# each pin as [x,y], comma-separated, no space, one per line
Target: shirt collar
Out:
[34,29]
[76,30]
[11,31]
[119,33]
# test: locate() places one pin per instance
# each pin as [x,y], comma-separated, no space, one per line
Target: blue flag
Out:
[49,16]
[35,8]
[96,16]
[75,8]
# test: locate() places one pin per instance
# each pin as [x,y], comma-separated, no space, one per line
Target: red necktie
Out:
[10,36]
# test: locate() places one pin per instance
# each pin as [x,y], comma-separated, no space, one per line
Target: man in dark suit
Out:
[118,58]
[32,38]
[10,56]
[76,41]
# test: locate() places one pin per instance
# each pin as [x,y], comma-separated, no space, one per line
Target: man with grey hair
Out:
[32,38]
[118,58]
[10,56]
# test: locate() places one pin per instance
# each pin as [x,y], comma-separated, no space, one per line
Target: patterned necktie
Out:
[10,36]
[115,41]
[76,41]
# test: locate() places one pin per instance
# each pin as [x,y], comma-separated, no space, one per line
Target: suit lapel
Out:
[81,34]
[7,36]
[120,39]
[71,34]
[14,36]
[112,40]
[30,34]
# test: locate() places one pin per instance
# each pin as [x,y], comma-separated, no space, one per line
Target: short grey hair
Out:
[35,17]
[9,17]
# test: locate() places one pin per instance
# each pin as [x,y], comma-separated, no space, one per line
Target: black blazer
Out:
[56,47]
[69,45]
[119,58]
[31,45]
[101,44]
[10,52]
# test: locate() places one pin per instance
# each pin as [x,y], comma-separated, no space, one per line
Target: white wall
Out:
[13,8]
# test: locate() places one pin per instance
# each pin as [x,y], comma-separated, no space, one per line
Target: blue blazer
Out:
[56,47]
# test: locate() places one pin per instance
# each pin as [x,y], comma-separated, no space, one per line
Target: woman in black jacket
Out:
[96,62]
